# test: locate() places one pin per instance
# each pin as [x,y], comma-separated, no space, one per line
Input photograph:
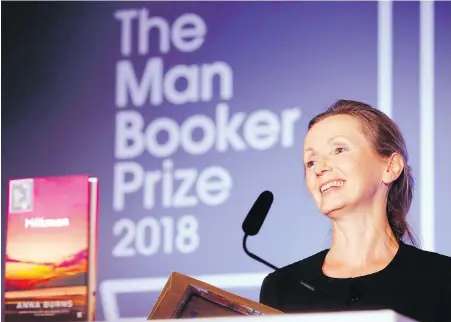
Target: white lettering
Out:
[38,222]
[167,183]
[155,85]
[207,127]
[57,304]
[214,186]
[177,188]
[187,179]
[127,83]
[261,130]
[150,235]
[188,32]
[172,143]
[121,186]
[28,305]
[199,134]
[227,129]
[180,197]
[145,25]
[289,118]
[126,16]
[129,126]
[191,91]
[224,73]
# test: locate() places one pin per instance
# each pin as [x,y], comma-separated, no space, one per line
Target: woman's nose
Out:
[322,166]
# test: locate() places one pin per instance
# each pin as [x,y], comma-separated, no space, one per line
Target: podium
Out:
[184,297]
[355,316]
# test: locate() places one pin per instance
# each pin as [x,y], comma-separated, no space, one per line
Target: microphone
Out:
[254,221]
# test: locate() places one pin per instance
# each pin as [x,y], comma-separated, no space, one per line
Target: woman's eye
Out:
[339,150]
[309,164]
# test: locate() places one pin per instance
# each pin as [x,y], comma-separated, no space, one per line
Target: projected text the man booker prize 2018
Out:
[172,185]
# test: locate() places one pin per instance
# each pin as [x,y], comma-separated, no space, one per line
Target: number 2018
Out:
[150,235]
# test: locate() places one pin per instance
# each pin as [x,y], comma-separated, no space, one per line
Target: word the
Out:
[187,33]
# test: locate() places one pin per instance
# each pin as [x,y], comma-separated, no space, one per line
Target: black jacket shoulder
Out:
[418,276]
[427,258]
[427,265]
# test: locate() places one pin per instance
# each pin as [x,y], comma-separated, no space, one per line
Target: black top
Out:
[416,284]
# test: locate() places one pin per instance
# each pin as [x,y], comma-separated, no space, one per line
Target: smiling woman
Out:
[356,169]
[363,142]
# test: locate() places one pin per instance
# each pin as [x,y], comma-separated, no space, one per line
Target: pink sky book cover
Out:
[47,242]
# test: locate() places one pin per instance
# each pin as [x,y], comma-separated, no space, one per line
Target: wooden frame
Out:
[186,297]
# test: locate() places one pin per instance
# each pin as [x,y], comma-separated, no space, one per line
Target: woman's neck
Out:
[360,244]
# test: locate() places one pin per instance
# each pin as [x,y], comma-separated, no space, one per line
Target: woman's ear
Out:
[393,169]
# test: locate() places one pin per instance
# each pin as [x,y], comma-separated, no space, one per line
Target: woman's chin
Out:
[332,209]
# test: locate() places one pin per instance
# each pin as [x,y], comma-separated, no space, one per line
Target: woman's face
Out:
[342,171]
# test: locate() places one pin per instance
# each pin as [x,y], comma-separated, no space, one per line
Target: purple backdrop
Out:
[250,76]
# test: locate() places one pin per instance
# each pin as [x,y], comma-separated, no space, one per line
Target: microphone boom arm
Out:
[261,260]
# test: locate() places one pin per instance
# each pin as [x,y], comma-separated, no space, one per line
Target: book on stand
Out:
[51,249]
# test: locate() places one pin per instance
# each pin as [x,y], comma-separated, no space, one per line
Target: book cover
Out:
[50,263]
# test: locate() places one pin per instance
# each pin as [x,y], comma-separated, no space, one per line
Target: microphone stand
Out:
[258,259]
[261,260]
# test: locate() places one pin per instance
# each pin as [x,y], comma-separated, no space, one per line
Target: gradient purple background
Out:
[283,55]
